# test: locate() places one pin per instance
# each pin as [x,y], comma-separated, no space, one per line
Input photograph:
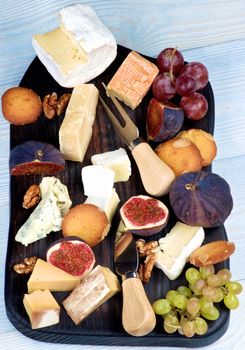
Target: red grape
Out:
[194,106]
[185,85]
[163,87]
[170,57]
[198,72]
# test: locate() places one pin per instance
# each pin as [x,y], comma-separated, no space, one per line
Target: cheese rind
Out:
[100,285]
[48,276]
[108,203]
[133,79]
[42,309]
[76,129]
[79,50]
[117,160]
[49,213]
[175,248]
[97,181]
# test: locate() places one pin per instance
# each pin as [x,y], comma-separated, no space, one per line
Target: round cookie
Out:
[204,142]
[21,106]
[180,154]
[87,222]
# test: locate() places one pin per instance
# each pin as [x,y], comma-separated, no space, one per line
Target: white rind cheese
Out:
[175,248]
[49,213]
[97,181]
[81,48]
[108,203]
[117,160]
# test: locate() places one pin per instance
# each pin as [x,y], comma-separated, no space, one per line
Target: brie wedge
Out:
[97,180]
[175,248]
[78,50]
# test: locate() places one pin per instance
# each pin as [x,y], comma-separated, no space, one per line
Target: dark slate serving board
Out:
[103,326]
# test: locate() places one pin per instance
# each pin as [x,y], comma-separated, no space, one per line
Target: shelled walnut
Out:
[31,197]
[26,266]
[147,251]
[53,106]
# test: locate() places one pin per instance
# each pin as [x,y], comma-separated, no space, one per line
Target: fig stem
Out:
[39,154]
[191,187]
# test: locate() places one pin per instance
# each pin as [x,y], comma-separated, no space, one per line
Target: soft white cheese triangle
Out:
[78,50]
[175,248]
[117,160]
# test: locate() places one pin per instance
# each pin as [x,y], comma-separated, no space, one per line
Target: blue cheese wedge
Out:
[78,50]
[175,248]
[49,213]
[117,160]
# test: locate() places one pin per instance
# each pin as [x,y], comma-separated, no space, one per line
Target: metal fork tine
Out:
[109,112]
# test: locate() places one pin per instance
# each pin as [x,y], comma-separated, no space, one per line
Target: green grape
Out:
[188,329]
[198,286]
[192,275]
[212,314]
[180,301]
[171,323]
[205,305]
[219,295]
[171,295]
[201,326]
[224,276]
[183,290]
[193,306]
[206,271]
[234,287]
[161,306]
[209,292]
[213,280]
[231,301]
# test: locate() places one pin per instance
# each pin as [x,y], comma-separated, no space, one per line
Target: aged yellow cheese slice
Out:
[76,129]
[48,276]
[100,285]
[42,309]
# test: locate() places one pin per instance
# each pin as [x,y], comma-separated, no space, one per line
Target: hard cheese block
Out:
[133,79]
[100,285]
[76,129]
[42,309]
[48,276]
[176,247]
[78,50]
[117,160]
[97,180]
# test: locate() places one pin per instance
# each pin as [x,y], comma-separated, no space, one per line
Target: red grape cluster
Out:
[176,77]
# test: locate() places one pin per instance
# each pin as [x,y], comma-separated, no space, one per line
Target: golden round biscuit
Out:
[204,141]
[180,154]
[21,106]
[87,222]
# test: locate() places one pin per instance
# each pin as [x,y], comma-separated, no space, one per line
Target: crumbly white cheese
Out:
[49,213]
[117,160]
[175,248]
[97,181]
[89,43]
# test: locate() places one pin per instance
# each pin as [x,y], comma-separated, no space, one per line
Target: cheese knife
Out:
[156,176]
[138,317]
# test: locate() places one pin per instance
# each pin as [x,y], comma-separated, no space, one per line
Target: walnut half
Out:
[32,197]
[147,251]
[26,266]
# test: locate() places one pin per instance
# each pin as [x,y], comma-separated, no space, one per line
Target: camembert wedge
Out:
[100,285]
[42,309]
[175,248]
[133,79]
[76,129]
[48,276]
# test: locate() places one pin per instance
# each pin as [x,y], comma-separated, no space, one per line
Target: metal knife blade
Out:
[126,256]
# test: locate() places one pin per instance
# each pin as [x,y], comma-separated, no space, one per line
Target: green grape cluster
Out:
[186,309]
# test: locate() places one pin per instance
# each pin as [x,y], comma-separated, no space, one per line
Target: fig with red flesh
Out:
[201,199]
[144,215]
[34,157]
[72,256]
[164,120]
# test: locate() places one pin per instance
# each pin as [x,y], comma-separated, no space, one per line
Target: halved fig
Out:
[164,120]
[72,256]
[34,157]
[144,215]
